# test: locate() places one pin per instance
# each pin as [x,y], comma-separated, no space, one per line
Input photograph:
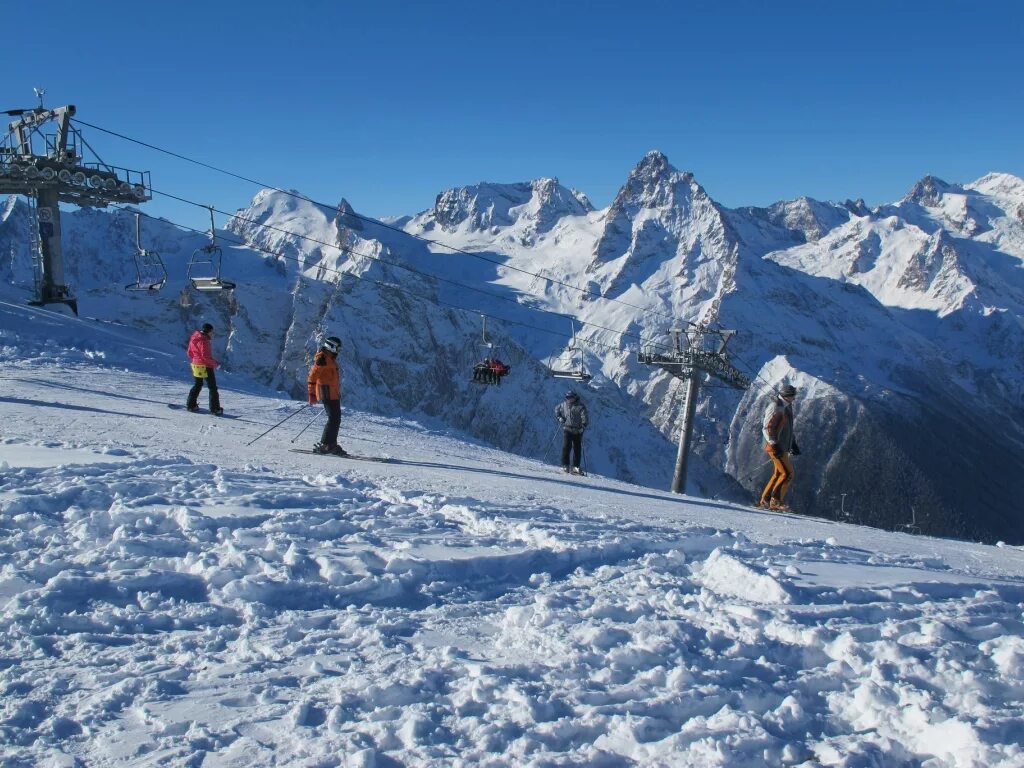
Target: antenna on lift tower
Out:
[689,363]
[44,158]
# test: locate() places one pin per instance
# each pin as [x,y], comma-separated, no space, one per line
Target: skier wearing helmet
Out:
[571,415]
[777,428]
[324,385]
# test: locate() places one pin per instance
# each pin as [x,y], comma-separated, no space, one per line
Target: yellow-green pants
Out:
[780,479]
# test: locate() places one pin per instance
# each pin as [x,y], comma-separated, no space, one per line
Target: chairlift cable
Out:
[345,249]
[381,283]
[377,222]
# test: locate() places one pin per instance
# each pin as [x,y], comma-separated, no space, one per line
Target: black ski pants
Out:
[211,385]
[330,435]
[572,441]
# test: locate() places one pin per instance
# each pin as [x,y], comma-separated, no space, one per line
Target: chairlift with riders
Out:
[490,370]
[205,265]
[152,274]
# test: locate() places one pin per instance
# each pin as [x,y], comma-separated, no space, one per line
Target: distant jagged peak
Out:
[857,207]
[277,207]
[548,192]
[582,198]
[346,217]
[655,183]
[661,211]
[812,218]
[278,199]
[653,165]
[485,205]
[929,191]
[999,185]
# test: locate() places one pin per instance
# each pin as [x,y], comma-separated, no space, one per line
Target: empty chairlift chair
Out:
[204,268]
[576,372]
[149,267]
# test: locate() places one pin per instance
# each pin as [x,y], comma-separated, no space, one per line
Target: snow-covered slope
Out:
[901,325]
[175,591]
[891,321]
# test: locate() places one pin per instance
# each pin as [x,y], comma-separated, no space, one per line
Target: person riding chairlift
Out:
[498,370]
[490,370]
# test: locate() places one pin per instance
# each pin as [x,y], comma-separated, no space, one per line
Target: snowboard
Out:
[346,456]
[201,411]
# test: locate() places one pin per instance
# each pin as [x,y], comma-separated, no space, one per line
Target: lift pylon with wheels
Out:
[44,158]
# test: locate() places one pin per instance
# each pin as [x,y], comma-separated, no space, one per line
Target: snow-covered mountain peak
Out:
[584,200]
[305,232]
[658,206]
[537,205]
[929,191]
[346,216]
[655,183]
[808,219]
[1000,185]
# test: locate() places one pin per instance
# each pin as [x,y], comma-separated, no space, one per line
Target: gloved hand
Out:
[311,394]
[773,450]
[795,450]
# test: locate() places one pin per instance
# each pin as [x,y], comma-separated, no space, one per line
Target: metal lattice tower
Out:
[689,362]
[43,157]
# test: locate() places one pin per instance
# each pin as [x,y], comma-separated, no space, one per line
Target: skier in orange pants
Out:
[777,428]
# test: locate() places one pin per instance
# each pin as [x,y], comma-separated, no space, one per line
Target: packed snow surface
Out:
[175,591]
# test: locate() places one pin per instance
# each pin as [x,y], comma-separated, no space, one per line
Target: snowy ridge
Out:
[531,208]
[170,595]
[899,315]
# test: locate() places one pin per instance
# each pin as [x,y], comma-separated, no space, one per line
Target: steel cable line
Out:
[352,252]
[757,377]
[381,283]
[376,222]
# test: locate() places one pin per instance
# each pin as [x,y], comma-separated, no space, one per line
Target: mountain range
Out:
[901,326]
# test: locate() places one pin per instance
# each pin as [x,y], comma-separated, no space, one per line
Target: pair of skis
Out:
[201,411]
[346,456]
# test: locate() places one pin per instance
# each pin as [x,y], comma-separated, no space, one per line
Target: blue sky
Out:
[389,103]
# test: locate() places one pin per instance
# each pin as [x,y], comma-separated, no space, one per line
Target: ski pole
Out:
[551,444]
[757,469]
[310,424]
[282,421]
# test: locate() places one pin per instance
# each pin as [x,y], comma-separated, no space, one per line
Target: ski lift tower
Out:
[43,157]
[689,362]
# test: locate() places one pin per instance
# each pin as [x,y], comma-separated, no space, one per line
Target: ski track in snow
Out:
[171,596]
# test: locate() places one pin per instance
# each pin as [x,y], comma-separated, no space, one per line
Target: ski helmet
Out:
[787,391]
[571,395]
[331,344]
[207,327]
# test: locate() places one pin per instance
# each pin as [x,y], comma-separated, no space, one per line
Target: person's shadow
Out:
[66,407]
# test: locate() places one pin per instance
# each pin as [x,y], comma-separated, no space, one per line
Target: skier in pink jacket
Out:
[200,353]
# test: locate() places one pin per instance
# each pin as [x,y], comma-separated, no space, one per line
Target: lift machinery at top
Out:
[43,157]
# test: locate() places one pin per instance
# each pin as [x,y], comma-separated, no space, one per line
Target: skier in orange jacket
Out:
[324,385]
